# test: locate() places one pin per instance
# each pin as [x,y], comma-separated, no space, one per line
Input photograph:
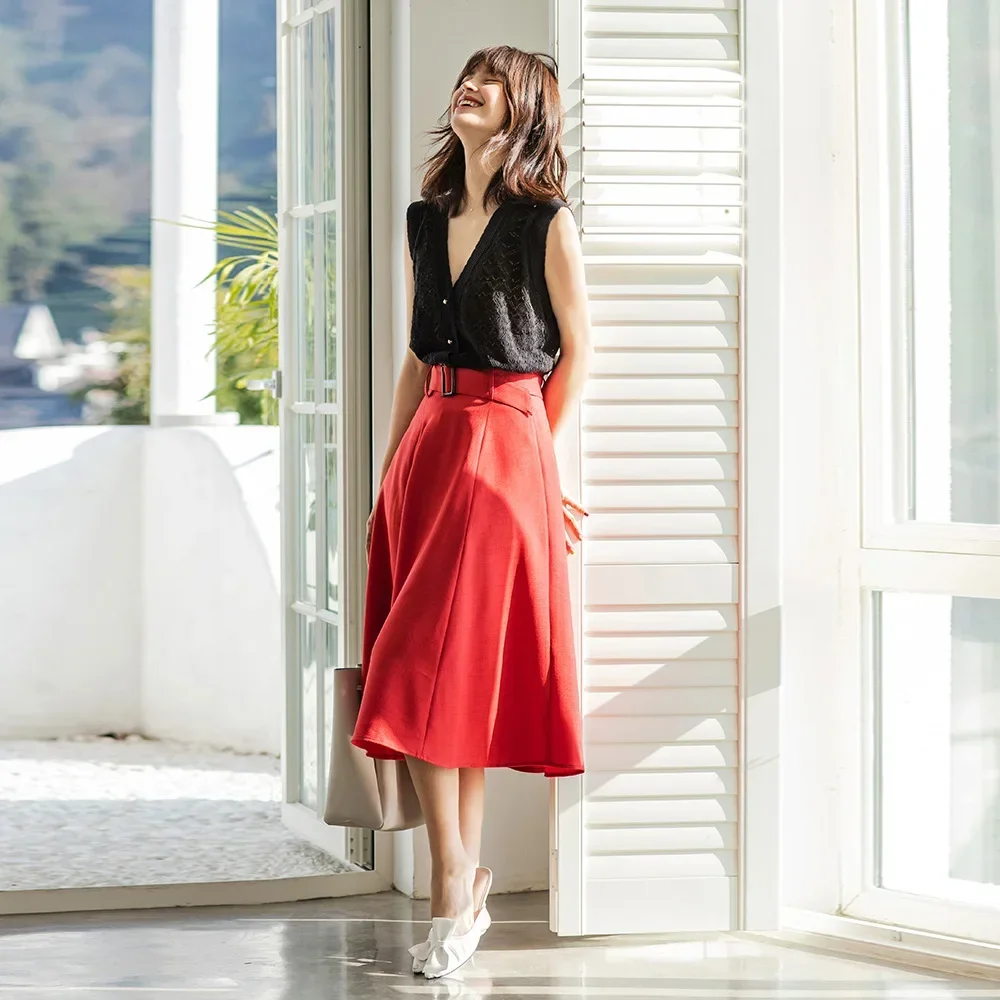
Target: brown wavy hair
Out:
[529,140]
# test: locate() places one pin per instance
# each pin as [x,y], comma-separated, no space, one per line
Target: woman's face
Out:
[479,105]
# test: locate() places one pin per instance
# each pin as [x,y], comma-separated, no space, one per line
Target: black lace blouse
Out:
[498,312]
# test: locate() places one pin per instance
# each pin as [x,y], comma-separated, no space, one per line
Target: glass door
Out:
[324,333]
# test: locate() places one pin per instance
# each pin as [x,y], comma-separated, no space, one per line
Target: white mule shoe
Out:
[442,934]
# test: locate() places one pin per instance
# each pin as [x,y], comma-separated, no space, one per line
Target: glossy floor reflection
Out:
[356,949]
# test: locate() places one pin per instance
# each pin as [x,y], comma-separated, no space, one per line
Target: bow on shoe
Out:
[448,950]
[421,951]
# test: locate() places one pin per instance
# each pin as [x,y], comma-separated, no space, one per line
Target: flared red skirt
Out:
[468,650]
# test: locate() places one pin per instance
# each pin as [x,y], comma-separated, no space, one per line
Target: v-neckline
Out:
[481,246]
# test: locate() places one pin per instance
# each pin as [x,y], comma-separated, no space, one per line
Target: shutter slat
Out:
[639,585]
[630,94]
[658,550]
[649,756]
[722,249]
[648,404]
[642,468]
[661,443]
[672,336]
[661,525]
[659,784]
[661,728]
[647,469]
[674,5]
[653,865]
[620,362]
[627,839]
[655,281]
[707,401]
[711,48]
[677,673]
[656,218]
[602,164]
[664,115]
[677,310]
[619,138]
[670,618]
[662,70]
[622,21]
[685,646]
[698,191]
[720,809]
[659,496]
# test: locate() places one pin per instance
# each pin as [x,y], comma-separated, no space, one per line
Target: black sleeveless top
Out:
[498,313]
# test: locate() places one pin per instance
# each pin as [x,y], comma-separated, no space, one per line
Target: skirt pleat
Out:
[468,654]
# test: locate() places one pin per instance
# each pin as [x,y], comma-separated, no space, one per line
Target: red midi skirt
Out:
[468,651]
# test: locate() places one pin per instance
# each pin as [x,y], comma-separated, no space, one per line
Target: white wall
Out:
[140,583]
[515,834]
[70,603]
[211,644]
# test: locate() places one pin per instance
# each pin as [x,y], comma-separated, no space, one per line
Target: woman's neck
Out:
[478,175]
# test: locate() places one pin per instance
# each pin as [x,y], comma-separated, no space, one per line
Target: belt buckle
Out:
[448,386]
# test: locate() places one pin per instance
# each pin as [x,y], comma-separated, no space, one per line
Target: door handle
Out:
[272,385]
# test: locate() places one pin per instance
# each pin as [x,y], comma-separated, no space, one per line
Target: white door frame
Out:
[760,472]
[347,205]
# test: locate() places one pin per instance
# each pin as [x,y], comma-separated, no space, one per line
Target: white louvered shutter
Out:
[647,839]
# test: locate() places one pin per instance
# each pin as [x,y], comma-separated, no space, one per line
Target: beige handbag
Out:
[362,791]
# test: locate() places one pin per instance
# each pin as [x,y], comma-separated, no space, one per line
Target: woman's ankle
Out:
[452,892]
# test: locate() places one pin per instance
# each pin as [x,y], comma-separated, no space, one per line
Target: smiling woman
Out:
[468,655]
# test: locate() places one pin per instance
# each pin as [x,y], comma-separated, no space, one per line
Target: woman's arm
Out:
[566,280]
[409,385]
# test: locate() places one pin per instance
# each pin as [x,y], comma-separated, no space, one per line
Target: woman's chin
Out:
[469,121]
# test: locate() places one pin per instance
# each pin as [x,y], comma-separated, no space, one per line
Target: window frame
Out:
[896,553]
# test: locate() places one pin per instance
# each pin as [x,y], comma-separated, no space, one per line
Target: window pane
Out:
[938,743]
[954,142]
[326,100]
[332,340]
[304,291]
[306,493]
[333,505]
[332,659]
[303,71]
[310,695]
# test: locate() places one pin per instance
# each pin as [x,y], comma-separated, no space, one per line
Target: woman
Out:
[468,652]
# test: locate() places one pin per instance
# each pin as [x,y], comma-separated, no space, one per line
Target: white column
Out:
[185,188]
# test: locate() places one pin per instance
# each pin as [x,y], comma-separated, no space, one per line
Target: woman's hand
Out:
[573,533]
[368,535]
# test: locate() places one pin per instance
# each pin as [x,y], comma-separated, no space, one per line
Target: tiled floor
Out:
[94,812]
[355,949]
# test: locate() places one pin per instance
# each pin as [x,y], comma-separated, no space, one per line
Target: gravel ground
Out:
[93,811]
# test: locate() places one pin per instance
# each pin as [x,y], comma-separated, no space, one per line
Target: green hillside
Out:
[75,83]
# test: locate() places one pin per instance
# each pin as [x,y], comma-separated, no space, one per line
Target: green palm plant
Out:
[246,328]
